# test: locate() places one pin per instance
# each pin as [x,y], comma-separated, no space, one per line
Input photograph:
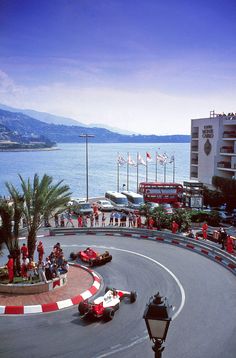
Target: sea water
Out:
[68,163]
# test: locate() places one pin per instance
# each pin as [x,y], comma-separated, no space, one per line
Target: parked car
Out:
[104,205]
[226,217]
[149,206]
[167,208]
[80,207]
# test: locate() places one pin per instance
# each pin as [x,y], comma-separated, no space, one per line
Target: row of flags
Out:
[160,158]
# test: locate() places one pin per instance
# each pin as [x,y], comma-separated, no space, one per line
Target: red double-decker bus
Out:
[171,193]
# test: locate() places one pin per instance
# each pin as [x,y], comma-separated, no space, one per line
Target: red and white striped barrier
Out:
[55,306]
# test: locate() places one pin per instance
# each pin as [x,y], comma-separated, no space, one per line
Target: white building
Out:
[213,147]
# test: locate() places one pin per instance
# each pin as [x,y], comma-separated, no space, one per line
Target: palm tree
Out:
[41,199]
[10,213]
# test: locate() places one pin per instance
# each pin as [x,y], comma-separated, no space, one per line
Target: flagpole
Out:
[127,172]
[156,168]
[146,169]
[164,172]
[173,169]
[118,173]
[137,169]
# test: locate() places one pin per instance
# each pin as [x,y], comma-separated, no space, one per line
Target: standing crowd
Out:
[44,270]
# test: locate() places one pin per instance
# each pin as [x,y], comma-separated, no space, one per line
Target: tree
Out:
[10,213]
[41,199]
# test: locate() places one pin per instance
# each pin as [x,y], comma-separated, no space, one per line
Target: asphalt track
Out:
[202,293]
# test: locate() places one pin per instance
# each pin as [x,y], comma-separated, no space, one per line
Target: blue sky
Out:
[145,66]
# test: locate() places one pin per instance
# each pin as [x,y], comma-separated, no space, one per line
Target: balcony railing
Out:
[227,149]
[194,174]
[194,161]
[194,148]
[229,134]
[224,164]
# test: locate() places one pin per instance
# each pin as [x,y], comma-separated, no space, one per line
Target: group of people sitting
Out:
[54,264]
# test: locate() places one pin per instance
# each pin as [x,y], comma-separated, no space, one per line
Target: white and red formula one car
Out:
[105,306]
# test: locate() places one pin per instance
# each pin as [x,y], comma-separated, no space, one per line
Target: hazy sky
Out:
[147,66]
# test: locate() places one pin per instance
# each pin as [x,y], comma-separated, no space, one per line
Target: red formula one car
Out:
[92,257]
[105,306]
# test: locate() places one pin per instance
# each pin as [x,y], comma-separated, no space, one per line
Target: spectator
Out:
[31,270]
[24,268]
[139,221]
[204,231]
[41,271]
[24,251]
[130,218]
[56,220]
[150,223]
[103,220]
[40,250]
[223,236]
[80,221]
[69,220]
[174,227]
[111,218]
[62,220]
[230,245]
[10,268]
[96,218]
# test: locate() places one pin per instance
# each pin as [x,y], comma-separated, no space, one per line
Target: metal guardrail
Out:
[199,246]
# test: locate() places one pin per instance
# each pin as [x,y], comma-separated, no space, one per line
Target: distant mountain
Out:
[52,118]
[43,116]
[25,125]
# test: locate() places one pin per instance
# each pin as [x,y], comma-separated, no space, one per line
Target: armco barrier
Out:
[200,246]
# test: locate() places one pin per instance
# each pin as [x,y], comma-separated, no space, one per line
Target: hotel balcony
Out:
[227,149]
[229,134]
[195,135]
[223,164]
[194,174]
[194,161]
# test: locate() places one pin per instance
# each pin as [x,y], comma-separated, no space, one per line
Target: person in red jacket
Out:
[24,251]
[150,223]
[204,231]
[230,245]
[10,268]
[174,227]
[40,250]
[139,221]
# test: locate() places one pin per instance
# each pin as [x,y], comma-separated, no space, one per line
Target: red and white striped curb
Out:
[55,306]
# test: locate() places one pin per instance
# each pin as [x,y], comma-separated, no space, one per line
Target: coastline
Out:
[29,149]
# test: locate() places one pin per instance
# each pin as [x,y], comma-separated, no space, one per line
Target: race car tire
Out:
[91,263]
[108,314]
[82,308]
[73,256]
[133,296]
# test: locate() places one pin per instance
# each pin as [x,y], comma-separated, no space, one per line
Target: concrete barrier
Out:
[200,246]
[39,287]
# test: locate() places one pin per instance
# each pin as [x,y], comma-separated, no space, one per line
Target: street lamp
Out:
[86,136]
[157,320]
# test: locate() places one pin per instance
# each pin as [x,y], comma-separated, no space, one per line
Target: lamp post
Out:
[86,136]
[157,320]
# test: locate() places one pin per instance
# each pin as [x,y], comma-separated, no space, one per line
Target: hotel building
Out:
[213,147]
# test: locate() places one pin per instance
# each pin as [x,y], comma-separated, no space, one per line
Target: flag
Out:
[172,159]
[140,160]
[148,157]
[161,158]
[121,160]
[130,161]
